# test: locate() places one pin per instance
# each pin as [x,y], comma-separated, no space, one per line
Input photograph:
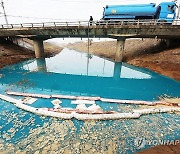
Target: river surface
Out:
[78,74]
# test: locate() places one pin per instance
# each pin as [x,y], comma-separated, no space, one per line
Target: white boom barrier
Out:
[138,102]
[69,113]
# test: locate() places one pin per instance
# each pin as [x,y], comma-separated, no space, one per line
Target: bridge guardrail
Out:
[86,23]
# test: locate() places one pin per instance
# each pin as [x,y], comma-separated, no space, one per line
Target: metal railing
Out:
[87,23]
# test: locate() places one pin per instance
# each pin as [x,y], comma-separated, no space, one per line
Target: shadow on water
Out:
[75,73]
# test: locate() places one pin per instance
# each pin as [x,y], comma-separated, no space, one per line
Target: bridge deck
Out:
[127,29]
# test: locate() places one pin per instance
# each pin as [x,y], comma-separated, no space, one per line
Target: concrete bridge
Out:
[119,30]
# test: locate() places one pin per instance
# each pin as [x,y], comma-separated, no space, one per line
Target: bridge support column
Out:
[41,64]
[120,49]
[117,70]
[38,48]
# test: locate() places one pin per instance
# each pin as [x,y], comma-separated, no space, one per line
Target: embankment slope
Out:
[148,53]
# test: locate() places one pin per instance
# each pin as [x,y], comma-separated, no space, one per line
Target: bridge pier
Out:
[41,64]
[117,70]
[120,49]
[38,48]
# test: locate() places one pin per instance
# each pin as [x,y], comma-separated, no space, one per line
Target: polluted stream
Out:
[78,74]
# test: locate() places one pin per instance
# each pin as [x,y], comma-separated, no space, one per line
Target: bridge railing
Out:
[45,24]
[86,23]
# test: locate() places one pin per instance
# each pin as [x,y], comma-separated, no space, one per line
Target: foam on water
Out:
[72,73]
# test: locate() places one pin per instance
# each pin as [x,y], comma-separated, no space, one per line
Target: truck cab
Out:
[168,12]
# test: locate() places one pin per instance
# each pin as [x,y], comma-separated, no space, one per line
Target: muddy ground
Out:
[163,149]
[11,53]
[153,54]
[148,53]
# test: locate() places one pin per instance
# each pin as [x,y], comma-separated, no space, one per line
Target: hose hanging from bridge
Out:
[88,38]
[88,49]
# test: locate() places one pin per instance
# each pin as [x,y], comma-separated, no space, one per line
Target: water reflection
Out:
[41,65]
[73,73]
[117,70]
[71,62]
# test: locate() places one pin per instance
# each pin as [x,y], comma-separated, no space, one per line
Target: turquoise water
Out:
[75,73]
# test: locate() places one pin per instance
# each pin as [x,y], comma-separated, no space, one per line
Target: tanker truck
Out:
[164,12]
